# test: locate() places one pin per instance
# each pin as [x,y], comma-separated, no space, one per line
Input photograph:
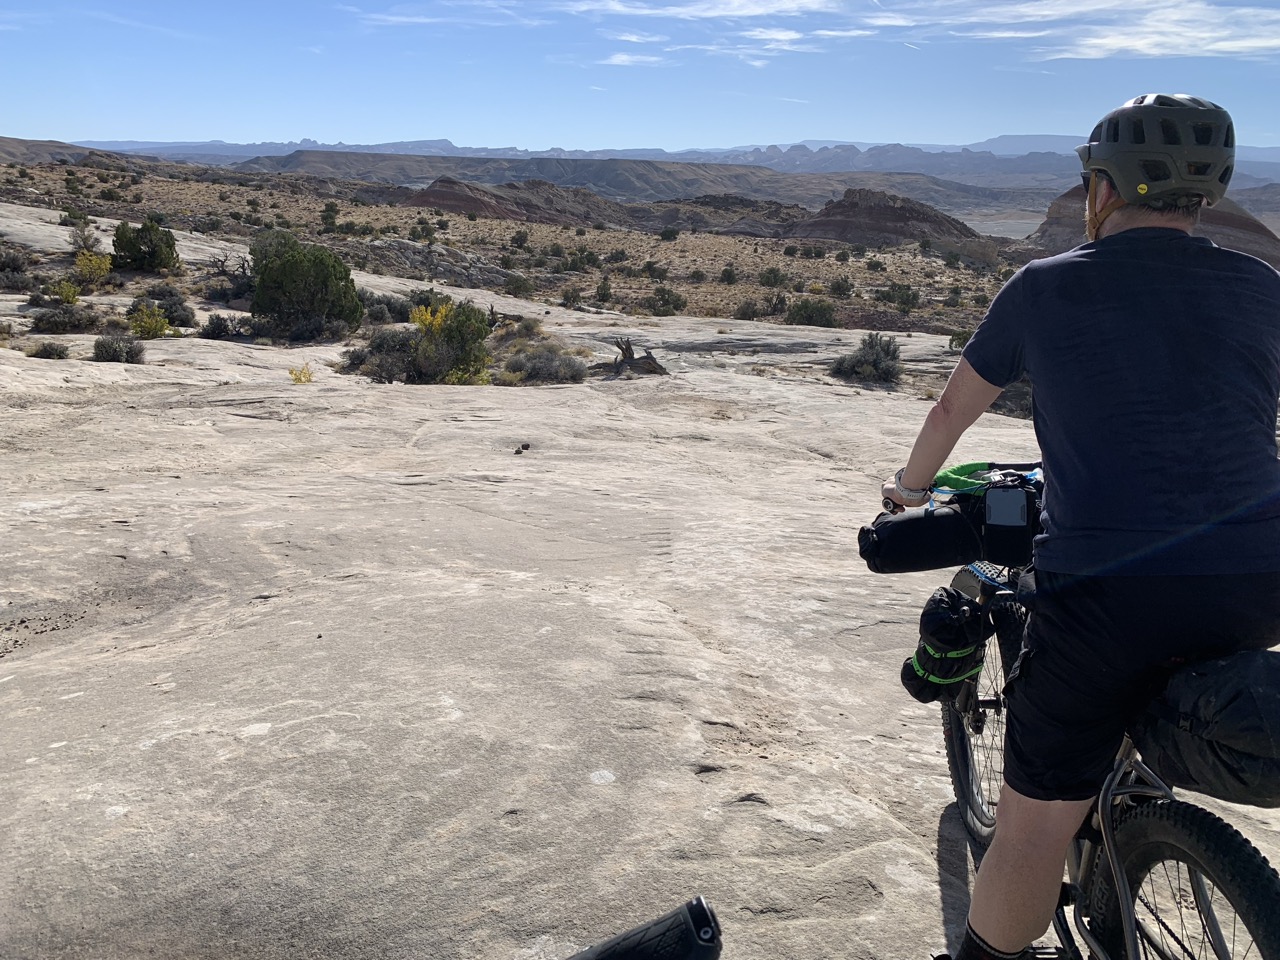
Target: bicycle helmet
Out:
[1164,150]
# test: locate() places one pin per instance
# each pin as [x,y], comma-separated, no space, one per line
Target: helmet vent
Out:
[1203,133]
[1156,171]
[1229,141]
[1225,177]
[1199,169]
[1113,130]
[1139,101]
[1169,130]
[1137,132]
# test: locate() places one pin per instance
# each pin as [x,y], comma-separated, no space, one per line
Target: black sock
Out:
[975,948]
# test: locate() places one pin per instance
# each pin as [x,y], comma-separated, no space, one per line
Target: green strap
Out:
[921,672]
[955,655]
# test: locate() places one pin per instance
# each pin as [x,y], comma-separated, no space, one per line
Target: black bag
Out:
[953,633]
[931,537]
[1011,521]
[1216,729]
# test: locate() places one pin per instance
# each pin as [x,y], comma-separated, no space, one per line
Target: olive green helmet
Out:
[1164,150]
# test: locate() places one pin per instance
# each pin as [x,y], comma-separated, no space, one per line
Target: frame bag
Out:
[1216,729]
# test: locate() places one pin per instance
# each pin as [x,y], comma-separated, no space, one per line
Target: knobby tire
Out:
[1163,846]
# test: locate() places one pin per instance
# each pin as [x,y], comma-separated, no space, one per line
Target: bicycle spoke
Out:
[1181,916]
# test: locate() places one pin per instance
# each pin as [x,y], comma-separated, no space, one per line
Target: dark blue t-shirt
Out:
[1155,363]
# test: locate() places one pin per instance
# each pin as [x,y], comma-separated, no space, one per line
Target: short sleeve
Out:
[995,350]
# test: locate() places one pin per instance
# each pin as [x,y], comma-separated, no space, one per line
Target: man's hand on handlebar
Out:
[893,502]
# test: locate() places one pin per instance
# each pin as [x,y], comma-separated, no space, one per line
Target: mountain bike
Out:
[1149,875]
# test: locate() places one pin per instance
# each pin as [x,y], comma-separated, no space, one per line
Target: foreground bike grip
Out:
[689,932]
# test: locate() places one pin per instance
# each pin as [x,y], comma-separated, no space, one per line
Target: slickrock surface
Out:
[328,670]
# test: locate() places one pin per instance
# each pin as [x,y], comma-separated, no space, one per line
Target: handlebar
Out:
[689,932]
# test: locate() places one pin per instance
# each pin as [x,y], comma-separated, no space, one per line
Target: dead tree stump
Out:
[629,361]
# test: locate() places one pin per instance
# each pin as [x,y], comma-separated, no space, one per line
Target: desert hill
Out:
[13,150]
[1226,224]
[651,181]
[869,216]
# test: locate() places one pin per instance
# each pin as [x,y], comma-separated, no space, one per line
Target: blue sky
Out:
[596,74]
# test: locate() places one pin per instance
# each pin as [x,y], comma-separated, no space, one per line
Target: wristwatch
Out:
[906,493]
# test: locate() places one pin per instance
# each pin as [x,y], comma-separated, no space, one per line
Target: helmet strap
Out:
[1093,216]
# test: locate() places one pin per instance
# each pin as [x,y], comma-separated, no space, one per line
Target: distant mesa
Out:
[872,217]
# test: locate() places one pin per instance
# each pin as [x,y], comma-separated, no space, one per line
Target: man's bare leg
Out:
[1018,883]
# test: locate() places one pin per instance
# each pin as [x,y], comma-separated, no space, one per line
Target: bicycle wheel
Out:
[973,727]
[1199,888]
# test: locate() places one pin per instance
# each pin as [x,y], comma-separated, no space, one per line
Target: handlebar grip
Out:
[689,932]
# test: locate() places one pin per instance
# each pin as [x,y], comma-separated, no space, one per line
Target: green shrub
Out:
[813,313]
[876,266]
[447,347]
[13,280]
[842,256]
[92,268]
[959,338]
[518,285]
[571,296]
[112,349]
[148,247]
[776,304]
[790,250]
[772,277]
[981,300]
[729,275]
[218,327]
[616,256]
[304,292]
[65,318]
[653,271]
[840,288]
[66,291]
[664,302]
[668,233]
[876,360]
[84,238]
[14,261]
[747,310]
[147,322]
[604,292]
[390,307]
[49,351]
[902,295]
[544,363]
[519,239]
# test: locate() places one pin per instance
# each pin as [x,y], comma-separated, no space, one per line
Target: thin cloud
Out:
[791,100]
[138,25]
[631,60]
[842,34]
[638,37]
[705,9]
[471,13]
[1099,29]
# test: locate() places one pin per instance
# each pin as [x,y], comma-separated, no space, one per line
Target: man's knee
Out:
[1024,820]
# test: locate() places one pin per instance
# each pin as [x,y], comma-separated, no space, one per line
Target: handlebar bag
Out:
[1216,729]
[931,537]
[953,633]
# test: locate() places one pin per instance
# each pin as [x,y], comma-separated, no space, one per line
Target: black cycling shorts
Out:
[1097,649]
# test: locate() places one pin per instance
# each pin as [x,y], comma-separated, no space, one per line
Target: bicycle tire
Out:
[973,727]
[1163,846]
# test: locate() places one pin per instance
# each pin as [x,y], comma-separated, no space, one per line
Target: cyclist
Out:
[1155,361]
